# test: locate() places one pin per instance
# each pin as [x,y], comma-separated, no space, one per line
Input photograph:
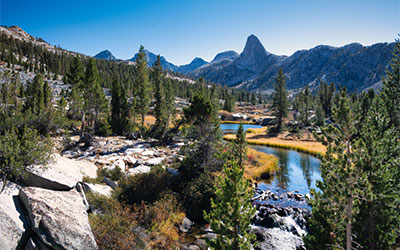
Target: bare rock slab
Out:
[59,218]
[12,221]
[61,174]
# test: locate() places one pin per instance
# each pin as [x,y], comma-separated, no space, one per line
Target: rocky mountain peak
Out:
[253,47]
[105,54]
[254,56]
[227,55]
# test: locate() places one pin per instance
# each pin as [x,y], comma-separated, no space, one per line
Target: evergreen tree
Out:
[76,74]
[335,208]
[142,83]
[35,96]
[160,111]
[319,112]
[119,107]
[94,97]
[229,102]
[169,100]
[307,105]
[46,95]
[231,211]
[239,145]
[20,148]
[280,103]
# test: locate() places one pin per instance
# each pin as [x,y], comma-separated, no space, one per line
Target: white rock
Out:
[59,218]
[130,151]
[139,169]
[130,160]
[61,174]
[148,153]
[99,189]
[119,163]
[11,218]
[154,161]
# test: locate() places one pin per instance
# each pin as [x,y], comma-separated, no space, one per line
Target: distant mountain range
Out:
[355,66]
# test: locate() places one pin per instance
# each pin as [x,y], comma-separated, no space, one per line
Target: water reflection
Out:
[283,175]
[298,171]
[232,127]
[305,165]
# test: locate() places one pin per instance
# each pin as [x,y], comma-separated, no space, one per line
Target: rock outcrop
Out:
[59,218]
[61,174]
[12,220]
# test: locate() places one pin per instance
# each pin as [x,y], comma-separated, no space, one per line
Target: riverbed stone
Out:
[275,238]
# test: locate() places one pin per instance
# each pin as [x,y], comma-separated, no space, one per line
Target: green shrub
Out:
[144,187]
[113,227]
[103,128]
[196,196]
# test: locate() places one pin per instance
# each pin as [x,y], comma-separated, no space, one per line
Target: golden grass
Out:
[259,165]
[151,120]
[237,122]
[256,130]
[309,147]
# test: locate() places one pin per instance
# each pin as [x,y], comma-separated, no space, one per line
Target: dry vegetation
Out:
[259,165]
[306,144]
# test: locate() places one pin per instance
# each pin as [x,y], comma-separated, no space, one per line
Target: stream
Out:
[282,209]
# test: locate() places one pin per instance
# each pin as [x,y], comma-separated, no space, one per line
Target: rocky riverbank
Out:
[48,207]
[280,220]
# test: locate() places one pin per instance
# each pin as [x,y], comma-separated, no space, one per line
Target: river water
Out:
[298,171]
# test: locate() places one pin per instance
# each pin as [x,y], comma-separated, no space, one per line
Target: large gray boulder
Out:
[59,218]
[12,221]
[60,174]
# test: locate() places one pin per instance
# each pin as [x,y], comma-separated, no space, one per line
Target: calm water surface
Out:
[298,171]
[231,128]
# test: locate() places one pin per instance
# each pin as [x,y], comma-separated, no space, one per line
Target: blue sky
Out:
[182,30]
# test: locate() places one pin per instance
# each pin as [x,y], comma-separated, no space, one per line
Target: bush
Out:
[144,187]
[116,226]
[103,128]
[197,194]
[20,148]
[113,228]
[162,219]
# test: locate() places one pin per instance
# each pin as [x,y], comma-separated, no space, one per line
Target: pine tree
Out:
[35,96]
[94,96]
[335,208]
[280,103]
[160,111]
[76,74]
[20,148]
[169,99]
[239,145]
[231,212]
[119,107]
[320,114]
[307,105]
[142,83]
[46,95]
[229,102]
